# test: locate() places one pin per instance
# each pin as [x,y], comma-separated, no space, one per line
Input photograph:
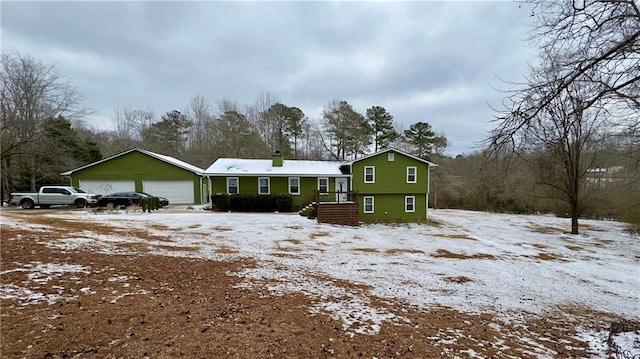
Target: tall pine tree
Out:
[423,140]
[382,123]
[168,136]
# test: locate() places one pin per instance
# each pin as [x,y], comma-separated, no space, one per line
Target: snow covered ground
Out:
[471,261]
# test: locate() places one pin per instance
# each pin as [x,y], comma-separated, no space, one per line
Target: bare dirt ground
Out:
[154,306]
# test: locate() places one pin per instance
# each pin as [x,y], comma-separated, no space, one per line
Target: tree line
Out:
[203,132]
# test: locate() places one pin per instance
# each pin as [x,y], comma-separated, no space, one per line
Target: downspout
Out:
[427,195]
[210,191]
[201,192]
[353,195]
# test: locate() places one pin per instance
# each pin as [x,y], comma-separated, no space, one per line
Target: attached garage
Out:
[174,191]
[143,171]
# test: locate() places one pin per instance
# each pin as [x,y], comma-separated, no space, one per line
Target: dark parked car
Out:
[125,199]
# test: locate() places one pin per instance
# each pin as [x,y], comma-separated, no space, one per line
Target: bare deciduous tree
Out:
[30,93]
[587,83]
[256,114]
[200,138]
[565,135]
[594,44]
[129,125]
[348,132]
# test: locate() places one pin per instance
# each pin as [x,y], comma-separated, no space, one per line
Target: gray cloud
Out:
[423,61]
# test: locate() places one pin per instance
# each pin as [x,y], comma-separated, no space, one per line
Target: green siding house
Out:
[143,171]
[391,185]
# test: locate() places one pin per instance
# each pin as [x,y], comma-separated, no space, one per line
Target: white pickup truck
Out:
[52,196]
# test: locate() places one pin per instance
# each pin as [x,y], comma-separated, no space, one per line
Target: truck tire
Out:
[27,204]
[80,203]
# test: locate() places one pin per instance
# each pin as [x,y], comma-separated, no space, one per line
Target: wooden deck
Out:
[345,213]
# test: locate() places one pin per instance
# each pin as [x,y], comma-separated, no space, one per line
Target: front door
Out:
[341,189]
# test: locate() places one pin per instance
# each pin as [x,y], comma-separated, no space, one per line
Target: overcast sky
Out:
[434,62]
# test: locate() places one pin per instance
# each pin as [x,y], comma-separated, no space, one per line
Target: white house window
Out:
[233,186]
[409,203]
[263,185]
[369,174]
[412,174]
[368,204]
[294,185]
[323,185]
[391,156]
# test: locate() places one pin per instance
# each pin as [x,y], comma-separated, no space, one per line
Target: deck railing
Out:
[335,196]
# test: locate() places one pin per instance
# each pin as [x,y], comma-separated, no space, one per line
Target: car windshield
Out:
[78,190]
[146,194]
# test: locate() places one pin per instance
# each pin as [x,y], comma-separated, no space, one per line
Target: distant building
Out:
[602,177]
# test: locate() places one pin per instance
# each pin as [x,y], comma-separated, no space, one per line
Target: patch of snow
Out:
[26,296]
[87,290]
[470,353]
[128,294]
[627,342]
[38,274]
[357,316]
[43,272]
[596,341]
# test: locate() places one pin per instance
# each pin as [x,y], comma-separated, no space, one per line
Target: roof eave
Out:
[256,174]
[148,153]
[430,164]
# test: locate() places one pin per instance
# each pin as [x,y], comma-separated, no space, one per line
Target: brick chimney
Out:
[276,159]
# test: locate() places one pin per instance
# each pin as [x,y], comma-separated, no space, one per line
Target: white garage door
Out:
[105,187]
[174,191]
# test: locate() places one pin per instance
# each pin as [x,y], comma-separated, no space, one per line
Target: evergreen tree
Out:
[91,152]
[277,116]
[423,140]
[58,148]
[236,137]
[287,125]
[360,135]
[168,136]
[297,122]
[382,123]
